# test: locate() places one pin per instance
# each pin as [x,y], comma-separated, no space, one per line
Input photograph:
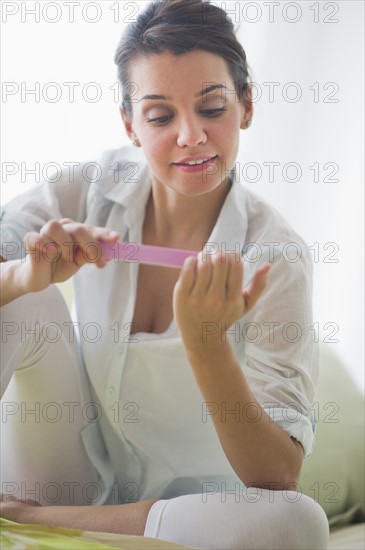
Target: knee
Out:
[50,296]
[304,524]
[28,325]
[35,306]
[281,521]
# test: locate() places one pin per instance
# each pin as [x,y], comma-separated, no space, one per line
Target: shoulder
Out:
[271,239]
[272,233]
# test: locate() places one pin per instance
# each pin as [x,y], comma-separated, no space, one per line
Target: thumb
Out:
[38,248]
[33,243]
[253,292]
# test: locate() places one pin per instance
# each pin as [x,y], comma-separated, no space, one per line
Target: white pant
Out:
[43,457]
[42,453]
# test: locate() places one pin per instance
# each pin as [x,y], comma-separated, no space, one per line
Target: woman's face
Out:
[186,118]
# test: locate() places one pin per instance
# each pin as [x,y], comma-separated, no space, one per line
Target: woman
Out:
[193,417]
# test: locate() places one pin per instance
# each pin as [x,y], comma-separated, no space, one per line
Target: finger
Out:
[107,234]
[34,246]
[187,276]
[76,243]
[54,232]
[71,235]
[203,275]
[224,274]
[88,238]
[253,292]
[102,233]
[65,238]
[87,249]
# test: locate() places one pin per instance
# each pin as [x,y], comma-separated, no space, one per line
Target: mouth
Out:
[197,162]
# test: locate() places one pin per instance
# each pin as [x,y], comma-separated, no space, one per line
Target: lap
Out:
[254,519]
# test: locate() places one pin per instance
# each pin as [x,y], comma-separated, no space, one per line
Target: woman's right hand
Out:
[18,510]
[54,254]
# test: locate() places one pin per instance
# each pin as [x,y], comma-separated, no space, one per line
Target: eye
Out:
[214,112]
[159,120]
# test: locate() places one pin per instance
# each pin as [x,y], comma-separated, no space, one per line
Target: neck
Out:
[182,221]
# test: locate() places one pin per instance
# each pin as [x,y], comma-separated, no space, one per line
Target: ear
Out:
[127,121]
[246,108]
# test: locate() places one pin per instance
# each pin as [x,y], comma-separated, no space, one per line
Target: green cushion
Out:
[67,291]
[334,474]
[46,537]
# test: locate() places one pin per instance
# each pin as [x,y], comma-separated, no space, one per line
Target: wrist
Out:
[215,349]
[12,286]
[20,287]
[19,512]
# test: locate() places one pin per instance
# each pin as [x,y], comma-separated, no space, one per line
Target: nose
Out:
[191,132]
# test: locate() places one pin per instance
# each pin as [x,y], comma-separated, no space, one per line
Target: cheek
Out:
[233,124]
[157,147]
[225,137]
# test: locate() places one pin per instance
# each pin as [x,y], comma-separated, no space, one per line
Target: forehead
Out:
[178,76]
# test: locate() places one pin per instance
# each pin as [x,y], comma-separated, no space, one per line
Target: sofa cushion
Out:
[334,474]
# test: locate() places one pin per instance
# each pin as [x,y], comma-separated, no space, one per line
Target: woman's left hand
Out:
[208,297]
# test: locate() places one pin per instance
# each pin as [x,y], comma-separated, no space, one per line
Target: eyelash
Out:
[208,112]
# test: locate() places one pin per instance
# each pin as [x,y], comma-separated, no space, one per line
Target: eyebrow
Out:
[198,94]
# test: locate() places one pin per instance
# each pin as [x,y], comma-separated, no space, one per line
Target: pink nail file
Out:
[146,254]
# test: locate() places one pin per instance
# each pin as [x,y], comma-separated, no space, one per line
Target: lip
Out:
[196,157]
[195,168]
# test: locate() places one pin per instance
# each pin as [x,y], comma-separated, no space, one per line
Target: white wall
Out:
[311,130]
[314,130]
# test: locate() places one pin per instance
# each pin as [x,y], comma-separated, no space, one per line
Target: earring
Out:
[135,142]
[248,123]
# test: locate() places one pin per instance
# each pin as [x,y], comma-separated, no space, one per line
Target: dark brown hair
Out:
[181,26]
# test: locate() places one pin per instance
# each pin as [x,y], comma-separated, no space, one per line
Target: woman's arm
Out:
[126,519]
[260,452]
[10,281]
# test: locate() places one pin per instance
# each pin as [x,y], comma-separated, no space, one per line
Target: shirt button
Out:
[121,350]
[111,393]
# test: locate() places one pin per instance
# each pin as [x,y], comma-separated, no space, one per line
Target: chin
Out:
[191,189]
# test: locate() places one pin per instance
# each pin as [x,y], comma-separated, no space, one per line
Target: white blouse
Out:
[159,440]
